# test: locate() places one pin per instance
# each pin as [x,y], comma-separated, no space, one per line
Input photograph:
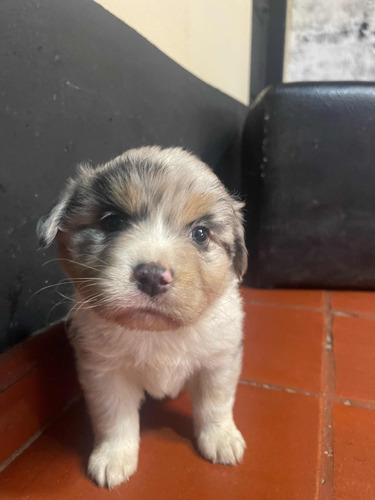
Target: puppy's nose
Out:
[152,279]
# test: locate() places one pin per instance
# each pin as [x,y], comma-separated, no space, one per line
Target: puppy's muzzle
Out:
[152,279]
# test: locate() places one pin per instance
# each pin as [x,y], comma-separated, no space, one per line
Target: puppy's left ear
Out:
[240,252]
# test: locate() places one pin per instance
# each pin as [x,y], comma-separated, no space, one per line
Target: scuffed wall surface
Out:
[330,40]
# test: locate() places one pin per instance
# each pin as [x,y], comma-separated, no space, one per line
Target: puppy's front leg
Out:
[213,392]
[113,400]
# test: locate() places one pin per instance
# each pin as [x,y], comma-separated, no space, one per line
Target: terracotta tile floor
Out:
[305,404]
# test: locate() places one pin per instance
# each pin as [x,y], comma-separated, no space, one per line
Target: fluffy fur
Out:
[143,208]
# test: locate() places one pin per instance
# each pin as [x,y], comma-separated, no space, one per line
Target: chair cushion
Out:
[309,176]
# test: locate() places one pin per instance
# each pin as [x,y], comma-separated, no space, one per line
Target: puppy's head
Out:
[149,240]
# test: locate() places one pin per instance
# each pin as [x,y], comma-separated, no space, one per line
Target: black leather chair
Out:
[308,168]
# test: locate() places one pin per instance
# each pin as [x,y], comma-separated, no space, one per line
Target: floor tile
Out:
[280,462]
[299,298]
[283,346]
[354,453]
[25,356]
[34,400]
[354,302]
[354,352]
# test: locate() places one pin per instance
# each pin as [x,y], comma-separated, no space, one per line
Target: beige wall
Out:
[210,38]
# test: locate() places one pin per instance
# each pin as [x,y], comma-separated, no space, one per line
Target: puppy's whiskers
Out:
[64,281]
[72,262]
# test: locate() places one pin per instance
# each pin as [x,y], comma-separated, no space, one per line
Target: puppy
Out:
[154,246]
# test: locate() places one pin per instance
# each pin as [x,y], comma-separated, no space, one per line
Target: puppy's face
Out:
[149,240]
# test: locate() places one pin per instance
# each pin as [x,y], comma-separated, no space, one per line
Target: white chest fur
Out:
[161,361]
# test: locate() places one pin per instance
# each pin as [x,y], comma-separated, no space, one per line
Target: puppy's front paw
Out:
[222,444]
[110,465]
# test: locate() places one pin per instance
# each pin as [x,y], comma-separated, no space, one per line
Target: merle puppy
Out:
[154,246]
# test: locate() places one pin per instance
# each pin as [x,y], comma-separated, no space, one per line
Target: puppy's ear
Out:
[51,223]
[240,252]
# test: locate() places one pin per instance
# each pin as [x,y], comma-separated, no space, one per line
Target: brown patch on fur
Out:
[215,279]
[197,284]
[127,196]
[76,271]
[197,205]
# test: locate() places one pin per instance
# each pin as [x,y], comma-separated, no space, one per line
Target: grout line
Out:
[355,403]
[35,436]
[282,306]
[262,385]
[17,379]
[47,327]
[345,314]
[335,312]
[34,367]
[325,477]
[348,314]
[21,449]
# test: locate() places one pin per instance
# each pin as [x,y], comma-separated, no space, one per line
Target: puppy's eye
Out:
[200,235]
[112,222]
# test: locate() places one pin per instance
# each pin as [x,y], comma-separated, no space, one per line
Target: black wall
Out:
[77,84]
